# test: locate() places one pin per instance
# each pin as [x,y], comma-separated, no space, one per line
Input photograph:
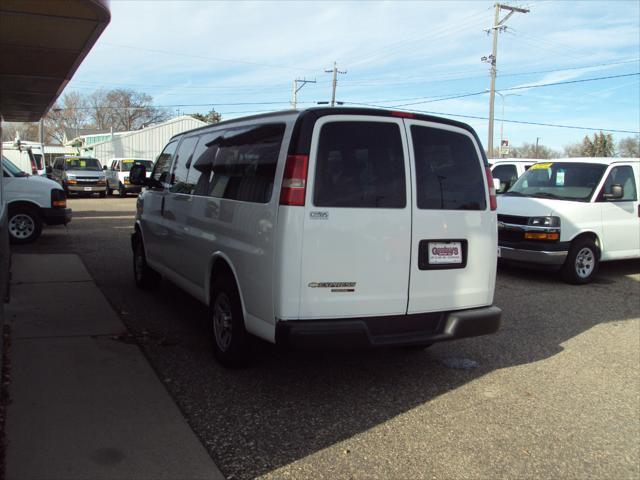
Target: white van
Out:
[117,175]
[506,171]
[330,226]
[572,213]
[32,201]
[28,158]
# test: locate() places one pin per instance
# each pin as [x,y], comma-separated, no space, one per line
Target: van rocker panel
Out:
[391,330]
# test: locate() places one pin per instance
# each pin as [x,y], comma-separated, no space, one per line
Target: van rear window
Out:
[449,175]
[360,165]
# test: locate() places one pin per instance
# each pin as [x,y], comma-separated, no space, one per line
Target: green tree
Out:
[601,145]
[211,117]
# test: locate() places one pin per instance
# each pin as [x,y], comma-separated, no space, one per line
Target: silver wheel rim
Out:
[22,226]
[222,318]
[585,262]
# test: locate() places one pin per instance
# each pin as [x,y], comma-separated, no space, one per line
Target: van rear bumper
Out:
[394,330]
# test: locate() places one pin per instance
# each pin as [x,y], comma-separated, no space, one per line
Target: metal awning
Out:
[42,43]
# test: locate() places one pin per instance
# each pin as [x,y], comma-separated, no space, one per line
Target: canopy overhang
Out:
[42,43]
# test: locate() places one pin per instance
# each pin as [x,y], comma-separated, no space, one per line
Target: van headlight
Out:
[544,221]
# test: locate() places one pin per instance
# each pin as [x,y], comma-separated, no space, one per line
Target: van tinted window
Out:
[163,164]
[360,165]
[181,165]
[239,164]
[448,173]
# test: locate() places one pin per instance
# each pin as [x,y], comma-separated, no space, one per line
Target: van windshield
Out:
[12,168]
[79,163]
[559,180]
[127,164]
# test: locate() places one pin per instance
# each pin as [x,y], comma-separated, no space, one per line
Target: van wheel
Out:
[229,336]
[109,192]
[582,262]
[25,224]
[122,192]
[145,277]
[103,194]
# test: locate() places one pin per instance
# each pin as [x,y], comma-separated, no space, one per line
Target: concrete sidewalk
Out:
[84,405]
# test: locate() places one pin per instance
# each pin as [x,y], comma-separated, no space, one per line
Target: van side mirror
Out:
[104,167]
[48,170]
[138,175]
[616,192]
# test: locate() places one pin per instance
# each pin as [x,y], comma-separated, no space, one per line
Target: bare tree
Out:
[629,147]
[70,113]
[26,131]
[132,110]
[100,114]
[529,150]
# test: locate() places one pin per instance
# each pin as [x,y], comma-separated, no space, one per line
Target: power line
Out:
[476,117]
[471,94]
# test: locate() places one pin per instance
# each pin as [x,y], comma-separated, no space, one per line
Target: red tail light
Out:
[294,182]
[493,203]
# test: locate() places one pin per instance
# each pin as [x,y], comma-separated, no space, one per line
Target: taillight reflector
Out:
[493,203]
[294,182]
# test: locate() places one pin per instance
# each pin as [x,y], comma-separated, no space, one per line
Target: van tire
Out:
[145,277]
[582,262]
[24,225]
[103,194]
[228,334]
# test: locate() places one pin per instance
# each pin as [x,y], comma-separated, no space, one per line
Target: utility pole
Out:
[335,82]
[537,138]
[498,26]
[296,89]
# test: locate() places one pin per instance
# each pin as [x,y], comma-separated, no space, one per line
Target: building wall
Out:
[146,143]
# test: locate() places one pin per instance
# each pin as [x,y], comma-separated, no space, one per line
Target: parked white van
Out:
[506,171]
[32,201]
[117,175]
[330,226]
[27,156]
[571,214]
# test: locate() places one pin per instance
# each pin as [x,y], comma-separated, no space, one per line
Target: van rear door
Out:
[454,235]
[357,226]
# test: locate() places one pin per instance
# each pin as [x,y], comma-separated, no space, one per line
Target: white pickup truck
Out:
[571,214]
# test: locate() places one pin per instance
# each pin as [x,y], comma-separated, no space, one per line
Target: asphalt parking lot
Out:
[554,394]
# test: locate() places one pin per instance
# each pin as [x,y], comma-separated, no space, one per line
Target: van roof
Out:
[306,119]
[601,160]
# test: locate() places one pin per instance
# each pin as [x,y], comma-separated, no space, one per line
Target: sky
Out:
[242,58]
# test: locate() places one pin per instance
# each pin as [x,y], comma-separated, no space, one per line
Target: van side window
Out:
[241,163]
[507,174]
[201,171]
[622,175]
[163,164]
[448,173]
[181,165]
[360,165]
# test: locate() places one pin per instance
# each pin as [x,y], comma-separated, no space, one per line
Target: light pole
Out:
[502,117]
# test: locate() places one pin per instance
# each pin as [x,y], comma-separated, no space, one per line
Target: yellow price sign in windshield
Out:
[540,166]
